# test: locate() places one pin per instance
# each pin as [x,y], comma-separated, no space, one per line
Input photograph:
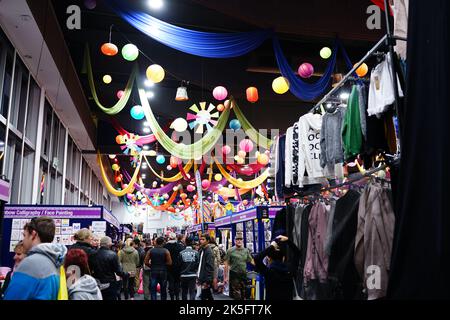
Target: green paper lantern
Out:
[325,53]
[130,52]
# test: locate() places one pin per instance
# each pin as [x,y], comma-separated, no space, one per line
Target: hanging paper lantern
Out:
[109,49]
[166,196]
[119,139]
[220,107]
[173,162]
[205,184]
[179,125]
[107,79]
[90,4]
[115,167]
[137,112]
[226,149]
[230,186]
[325,53]
[112,156]
[240,160]
[169,167]
[263,159]
[246,145]
[220,93]
[130,52]
[235,124]
[362,70]
[305,70]
[155,73]
[252,94]
[152,153]
[280,85]
[242,154]
[218,177]
[160,159]
[129,196]
[120,94]
[118,179]
[154,184]
[183,196]
[190,188]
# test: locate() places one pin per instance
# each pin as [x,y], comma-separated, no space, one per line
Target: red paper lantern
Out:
[173,162]
[109,49]
[252,94]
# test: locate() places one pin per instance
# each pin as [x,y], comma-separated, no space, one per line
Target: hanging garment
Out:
[362,95]
[303,247]
[309,126]
[381,89]
[280,163]
[330,227]
[331,149]
[296,230]
[295,150]
[373,243]
[400,9]
[288,158]
[342,272]
[316,265]
[351,128]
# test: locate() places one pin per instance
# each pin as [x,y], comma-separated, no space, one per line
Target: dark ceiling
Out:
[303,27]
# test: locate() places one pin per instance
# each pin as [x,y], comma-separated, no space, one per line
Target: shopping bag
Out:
[62,292]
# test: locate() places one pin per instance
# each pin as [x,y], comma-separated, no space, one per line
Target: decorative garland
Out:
[244,184]
[176,177]
[110,188]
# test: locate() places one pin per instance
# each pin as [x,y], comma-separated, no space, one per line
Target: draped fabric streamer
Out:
[122,101]
[244,169]
[203,44]
[190,178]
[249,130]
[150,138]
[242,184]
[181,150]
[166,189]
[301,89]
[110,187]
[230,193]
[165,206]
[176,177]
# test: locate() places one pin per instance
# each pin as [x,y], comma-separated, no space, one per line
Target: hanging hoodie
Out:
[331,150]
[288,151]
[351,127]
[85,288]
[37,276]
[309,126]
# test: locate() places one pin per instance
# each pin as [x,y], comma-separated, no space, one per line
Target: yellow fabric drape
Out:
[111,188]
[176,177]
[227,192]
[244,184]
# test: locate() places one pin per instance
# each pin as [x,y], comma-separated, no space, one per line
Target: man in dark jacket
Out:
[84,239]
[279,281]
[206,269]
[173,271]
[188,261]
[106,268]
[158,259]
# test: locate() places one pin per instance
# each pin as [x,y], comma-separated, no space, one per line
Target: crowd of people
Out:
[97,269]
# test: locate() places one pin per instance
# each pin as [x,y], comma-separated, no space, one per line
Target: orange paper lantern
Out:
[252,94]
[362,70]
[109,49]
[173,162]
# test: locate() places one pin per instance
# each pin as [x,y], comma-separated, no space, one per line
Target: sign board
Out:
[222,221]
[74,212]
[4,190]
[110,218]
[244,216]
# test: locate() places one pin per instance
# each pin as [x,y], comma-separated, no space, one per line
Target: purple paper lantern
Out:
[305,70]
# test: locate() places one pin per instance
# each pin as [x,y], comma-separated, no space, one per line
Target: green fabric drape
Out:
[249,130]
[115,109]
[181,150]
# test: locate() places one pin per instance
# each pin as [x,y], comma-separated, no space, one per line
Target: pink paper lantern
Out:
[120,94]
[190,188]
[305,70]
[205,184]
[226,149]
[246,145]
[220,93]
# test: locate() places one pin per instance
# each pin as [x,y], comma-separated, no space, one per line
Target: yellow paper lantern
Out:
[155,73]
[218,177]
[107,79]
[280,85]
[115,167]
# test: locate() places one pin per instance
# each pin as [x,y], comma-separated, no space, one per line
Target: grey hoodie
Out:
[85,288]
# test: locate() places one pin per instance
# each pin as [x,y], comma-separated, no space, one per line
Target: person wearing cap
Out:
[107,269]
[235,274]
[173,271]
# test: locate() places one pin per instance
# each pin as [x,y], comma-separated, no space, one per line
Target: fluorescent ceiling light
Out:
[155,4]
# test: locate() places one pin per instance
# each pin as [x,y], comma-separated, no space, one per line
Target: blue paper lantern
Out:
[235,124]
[137,112]
[160,159]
